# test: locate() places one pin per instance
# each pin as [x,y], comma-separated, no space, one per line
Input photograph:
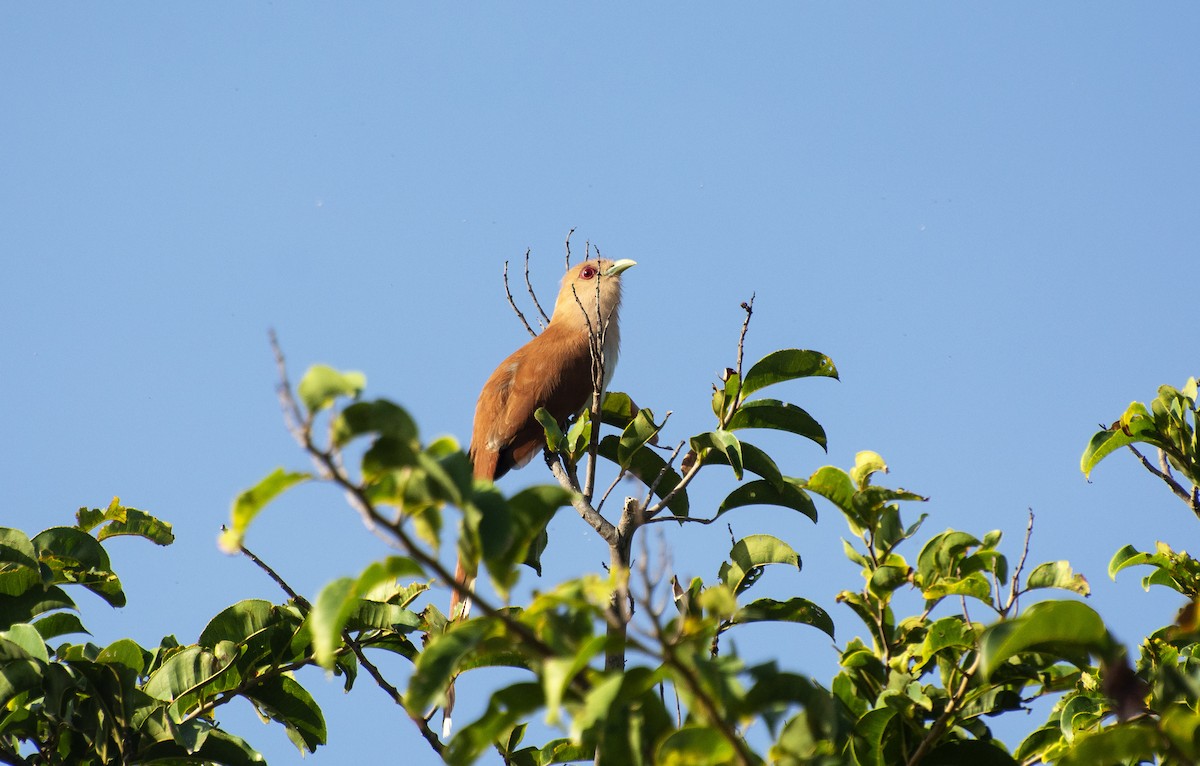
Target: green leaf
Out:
[514,532]
[1135,425]
[1129,556]
[617,409]
[60,624]
[974,752]
[28,639]
[695,746]
[437,665]
[239,622]
[73,556]
[1058,574]
[554,434]
[338,600]
[218,747]
[16,548]
[286,701]
[119,520]
[868,744]
[558,673]
[579,435]
[31,603]
[753,460]
[506,709]
[635,436]
[1066,629]
[787,364]
[723,447]
[18,676]
[125,653]
[836,486]
[761,492]
[647,466]
[322,385]
[1130,742]
[376,417]
[797,610]
[749,555]
[976,585]
[772,413]
[886,579]
[250,502]
[943,555]
[866,464]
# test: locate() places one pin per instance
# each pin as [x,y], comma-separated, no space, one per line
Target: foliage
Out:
[125,703]
[943,642]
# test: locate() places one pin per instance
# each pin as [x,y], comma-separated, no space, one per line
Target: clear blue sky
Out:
[988,217]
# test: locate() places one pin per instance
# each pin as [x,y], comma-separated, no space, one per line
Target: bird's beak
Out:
[618,267]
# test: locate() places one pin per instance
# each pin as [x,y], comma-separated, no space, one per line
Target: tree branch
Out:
[1014,591]
[1191,498]
[513,303]
[586,511]
[532,294]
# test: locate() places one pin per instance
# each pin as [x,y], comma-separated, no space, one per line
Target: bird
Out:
[553,370]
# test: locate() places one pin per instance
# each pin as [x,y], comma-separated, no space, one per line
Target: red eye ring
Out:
[587,272]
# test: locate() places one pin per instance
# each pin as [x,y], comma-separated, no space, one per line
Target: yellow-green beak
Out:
[618,267]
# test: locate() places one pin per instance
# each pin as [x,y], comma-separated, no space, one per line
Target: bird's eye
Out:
[587,272]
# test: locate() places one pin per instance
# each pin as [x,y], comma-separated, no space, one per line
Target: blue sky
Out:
[987,217]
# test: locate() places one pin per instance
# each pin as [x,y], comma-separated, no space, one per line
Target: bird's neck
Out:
[573,324]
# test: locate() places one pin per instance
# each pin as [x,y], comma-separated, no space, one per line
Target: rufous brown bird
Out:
[554,370]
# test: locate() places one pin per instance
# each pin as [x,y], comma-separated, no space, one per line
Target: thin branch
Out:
[690,474]
[532,294]
[512,302]
[611,487]
[653,440]
[603,526]
[568,245]
[952,705]
[680,519]
[1165,474]
[301,601]
[749,309]
[1014,591]
[356,647]
[294,420]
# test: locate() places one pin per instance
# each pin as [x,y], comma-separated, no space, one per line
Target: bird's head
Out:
[590,290]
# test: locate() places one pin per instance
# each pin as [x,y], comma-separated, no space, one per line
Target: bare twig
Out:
[568,246]
[688,475]
[532,294]
[596,334]
[749,309]
[662,472]
[301,601]
[293,419]
[611,487]
[512,302]
[1191,498]
[1014,591]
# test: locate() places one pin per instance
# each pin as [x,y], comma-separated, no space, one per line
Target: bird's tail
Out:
[460,609]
